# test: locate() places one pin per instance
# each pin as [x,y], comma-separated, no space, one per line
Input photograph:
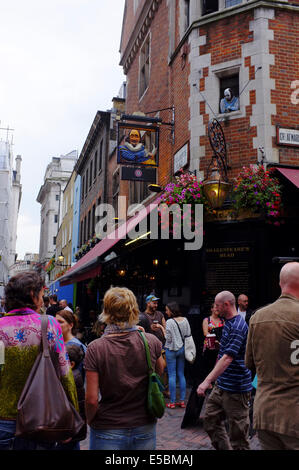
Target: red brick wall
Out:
[223,41]
[168,86]
[285,46]
[130,20]
[157,95]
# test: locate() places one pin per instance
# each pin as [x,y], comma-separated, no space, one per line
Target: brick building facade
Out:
[196,51]
[179,56]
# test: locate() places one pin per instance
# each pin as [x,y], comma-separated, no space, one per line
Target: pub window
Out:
[93,220]
[138,191]
[85,226]
[95,165]
[136,3]
[81,232]
[115,191]
[101,156]
[90,174]
[86,187]
[97,218]
[144,66]
[232,103]
[83,188]
[231,3]
[209,6]
[187,14]
[88,226]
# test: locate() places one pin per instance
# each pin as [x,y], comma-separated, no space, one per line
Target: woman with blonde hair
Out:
[116,367]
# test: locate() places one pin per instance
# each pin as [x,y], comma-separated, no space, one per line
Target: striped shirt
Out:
[236,378]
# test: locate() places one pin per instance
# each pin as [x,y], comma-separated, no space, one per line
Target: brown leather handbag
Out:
[44,411]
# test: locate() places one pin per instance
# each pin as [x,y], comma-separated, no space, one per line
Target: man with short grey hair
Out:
[243,309]
[63,304]
[230,397]
[273,351]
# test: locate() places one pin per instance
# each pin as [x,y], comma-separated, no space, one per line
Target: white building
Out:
[10,198]
[27,264]
[50,197]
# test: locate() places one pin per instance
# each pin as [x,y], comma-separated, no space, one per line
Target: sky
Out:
[59,64]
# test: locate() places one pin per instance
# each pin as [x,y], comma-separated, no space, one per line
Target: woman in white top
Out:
[177,327]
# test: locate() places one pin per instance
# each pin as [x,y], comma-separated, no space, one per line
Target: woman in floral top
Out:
[20,332]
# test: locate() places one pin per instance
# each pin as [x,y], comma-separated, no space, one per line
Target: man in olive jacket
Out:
[273,350]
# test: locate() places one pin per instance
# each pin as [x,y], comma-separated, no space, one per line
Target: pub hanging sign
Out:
[138,143]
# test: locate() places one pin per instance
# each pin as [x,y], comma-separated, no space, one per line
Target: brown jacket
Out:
[271,349]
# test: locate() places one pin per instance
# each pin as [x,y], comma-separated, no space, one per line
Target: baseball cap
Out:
[151,298]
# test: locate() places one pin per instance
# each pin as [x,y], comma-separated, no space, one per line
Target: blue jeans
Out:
[175,366]
[8,441]
[140,438]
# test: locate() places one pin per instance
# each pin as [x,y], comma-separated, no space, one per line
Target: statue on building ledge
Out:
[229,102]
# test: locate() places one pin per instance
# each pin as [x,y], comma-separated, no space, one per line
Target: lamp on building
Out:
[60,259]
[155,262]
[155,188]
[216,185]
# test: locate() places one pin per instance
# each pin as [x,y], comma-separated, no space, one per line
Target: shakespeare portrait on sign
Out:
[138,147]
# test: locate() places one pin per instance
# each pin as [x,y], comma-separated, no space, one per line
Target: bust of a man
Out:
[229,102]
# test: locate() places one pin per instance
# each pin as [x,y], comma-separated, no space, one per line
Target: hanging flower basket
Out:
[185,189]
[61,273]
[259,191]
[50,265]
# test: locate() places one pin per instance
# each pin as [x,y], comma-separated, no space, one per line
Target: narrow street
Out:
[170,436]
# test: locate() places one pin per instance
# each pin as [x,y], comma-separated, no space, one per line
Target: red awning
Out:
[90,264]
[291,174]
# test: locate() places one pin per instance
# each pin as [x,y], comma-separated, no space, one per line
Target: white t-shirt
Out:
[243,314]
[173,336]
[68,308]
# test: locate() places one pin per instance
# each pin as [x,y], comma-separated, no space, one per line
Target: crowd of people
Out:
[247,371]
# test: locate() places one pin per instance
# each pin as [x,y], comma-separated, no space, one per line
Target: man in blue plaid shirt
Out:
[231,394]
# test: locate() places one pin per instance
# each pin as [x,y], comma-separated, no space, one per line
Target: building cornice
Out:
[47,183]
[139,33]
[219,15]
[102,117]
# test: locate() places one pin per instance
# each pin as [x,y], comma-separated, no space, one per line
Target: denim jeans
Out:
[175,366]
[140,438]
[8,441]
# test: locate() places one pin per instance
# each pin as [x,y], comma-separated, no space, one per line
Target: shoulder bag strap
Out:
[180,331]
[44,342]
[148,356]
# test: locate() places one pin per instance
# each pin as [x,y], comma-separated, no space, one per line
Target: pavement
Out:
[170,436]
